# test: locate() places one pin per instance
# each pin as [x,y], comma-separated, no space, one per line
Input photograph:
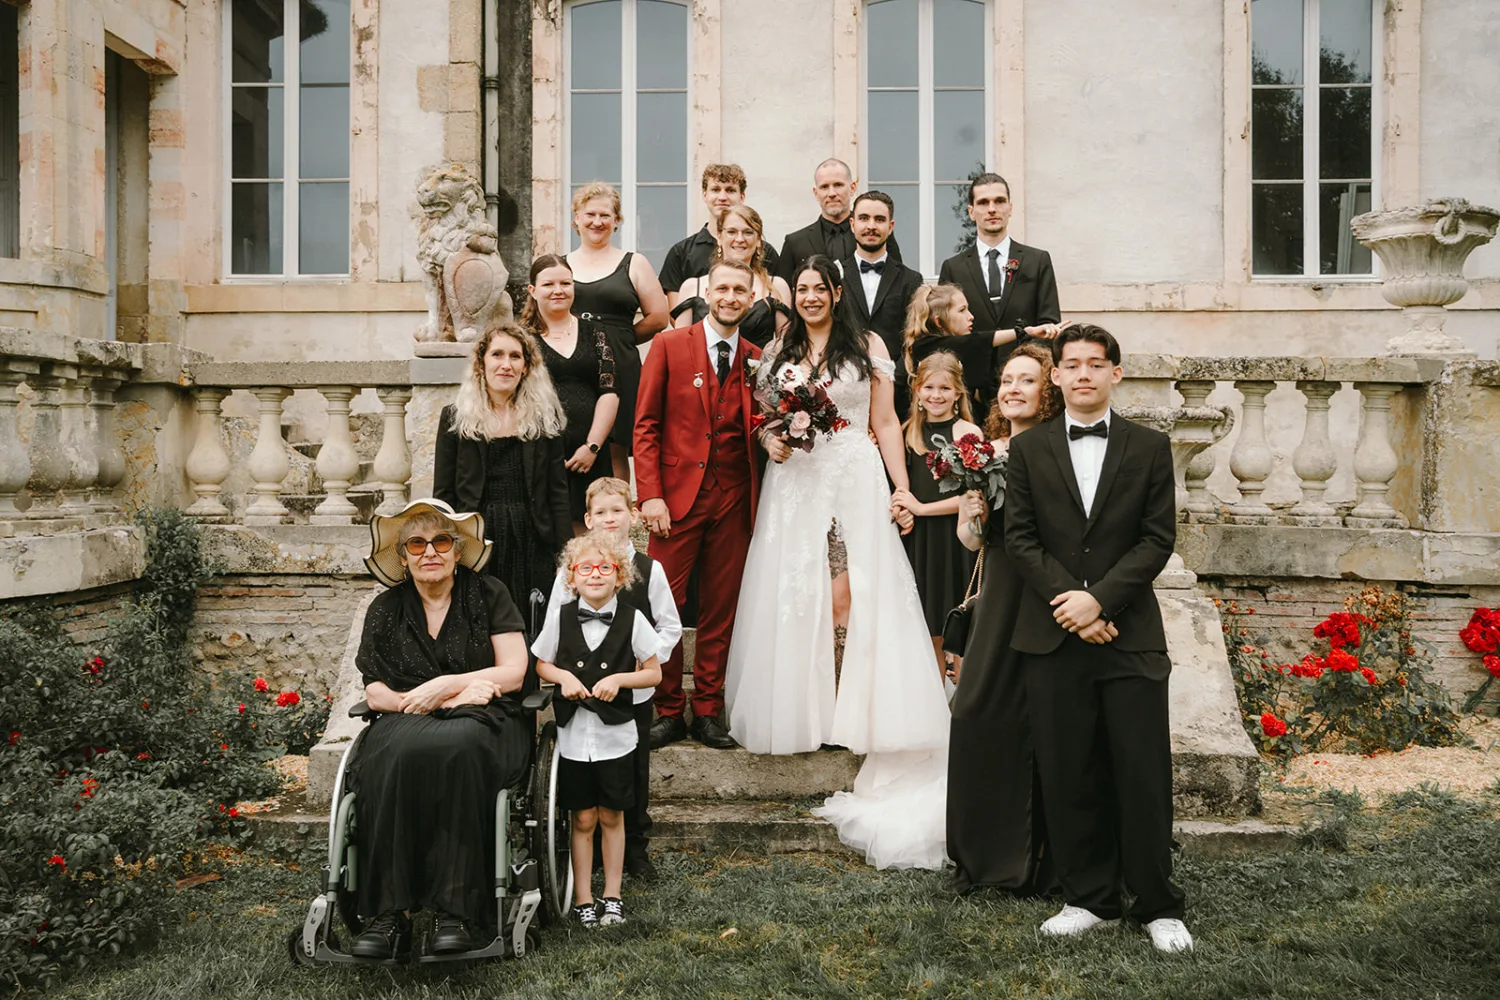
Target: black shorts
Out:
[584,784]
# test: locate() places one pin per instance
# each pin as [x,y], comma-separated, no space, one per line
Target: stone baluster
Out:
[338,463]
[268,464]
[106,445]
[79,445]
[208,463]
[49,465]
[15,464]
[392,466]
[1315,461]
[1200,504]
[1251,460]
[1375,461]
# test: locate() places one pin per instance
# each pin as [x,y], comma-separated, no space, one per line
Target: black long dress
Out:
[521,560]
[612,302]
[425,785]
[996,835]
[758,326]
[940,562]
[580,379]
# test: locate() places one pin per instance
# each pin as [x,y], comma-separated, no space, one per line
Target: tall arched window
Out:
[926,118]
[627,114]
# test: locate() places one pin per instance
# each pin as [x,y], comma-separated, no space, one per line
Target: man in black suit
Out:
[1009,286]
[723,187]
[1090,520]
[830,234]
[885,286]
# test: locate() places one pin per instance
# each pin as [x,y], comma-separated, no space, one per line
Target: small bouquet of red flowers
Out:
[796,409]
[970,463]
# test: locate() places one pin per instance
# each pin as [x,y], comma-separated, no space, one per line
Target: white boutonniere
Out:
[752,365]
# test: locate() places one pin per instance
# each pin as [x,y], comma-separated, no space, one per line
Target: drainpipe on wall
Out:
[489,150]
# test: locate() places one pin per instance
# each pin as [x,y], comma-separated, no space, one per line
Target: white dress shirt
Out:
[712,335]
[586,736]
[663,609]
[869,279]
[984,263]
[1088,458]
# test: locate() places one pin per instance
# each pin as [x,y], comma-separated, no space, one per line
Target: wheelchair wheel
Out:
[554,852]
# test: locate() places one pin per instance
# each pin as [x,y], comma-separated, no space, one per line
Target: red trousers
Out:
[715,536]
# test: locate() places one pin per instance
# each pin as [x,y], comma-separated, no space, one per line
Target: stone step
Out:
[690,770]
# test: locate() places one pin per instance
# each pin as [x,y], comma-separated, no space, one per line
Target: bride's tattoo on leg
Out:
[840,634]
[838,556]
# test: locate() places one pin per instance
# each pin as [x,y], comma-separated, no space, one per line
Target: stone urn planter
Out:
[1422,249]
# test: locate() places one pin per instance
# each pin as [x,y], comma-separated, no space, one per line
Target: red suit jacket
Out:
[672,430]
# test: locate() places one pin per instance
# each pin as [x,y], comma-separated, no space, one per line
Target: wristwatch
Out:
[593,447]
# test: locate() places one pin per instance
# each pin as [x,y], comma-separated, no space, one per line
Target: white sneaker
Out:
[1074,920]
[1170,935]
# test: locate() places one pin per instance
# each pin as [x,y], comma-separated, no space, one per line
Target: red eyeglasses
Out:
[603,568]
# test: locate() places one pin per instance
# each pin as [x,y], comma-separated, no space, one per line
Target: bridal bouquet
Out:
[796,409]
[970,463]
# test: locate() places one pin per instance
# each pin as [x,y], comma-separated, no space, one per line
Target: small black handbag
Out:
[956,625]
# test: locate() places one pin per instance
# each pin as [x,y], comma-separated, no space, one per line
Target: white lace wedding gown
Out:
[890,704]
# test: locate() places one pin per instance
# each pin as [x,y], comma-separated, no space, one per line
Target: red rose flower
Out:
[234,813]
[1341,662]
[241,709]
[1272,726]
[756,420]
[1311,667]
[95,665]
[1369,676]
[143,755]
[1492,664]
[59,862]
[15,737]
[287,698]
[89,784]
[261,684]
[1341,629]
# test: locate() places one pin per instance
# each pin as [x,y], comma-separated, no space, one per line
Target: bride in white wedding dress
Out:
[817,510]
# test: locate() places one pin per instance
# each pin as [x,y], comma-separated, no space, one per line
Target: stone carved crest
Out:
[463,274]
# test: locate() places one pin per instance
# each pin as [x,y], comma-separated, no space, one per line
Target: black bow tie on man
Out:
[590,615]
[865,267]
[1076,431]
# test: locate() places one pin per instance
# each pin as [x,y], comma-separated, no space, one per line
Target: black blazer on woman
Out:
[458,479]
[1114,552]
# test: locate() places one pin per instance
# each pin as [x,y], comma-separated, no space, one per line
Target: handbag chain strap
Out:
[976,578]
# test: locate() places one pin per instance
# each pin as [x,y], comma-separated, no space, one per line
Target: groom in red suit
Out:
[696,477]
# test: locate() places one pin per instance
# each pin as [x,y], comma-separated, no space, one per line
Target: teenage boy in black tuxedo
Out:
[830,233]
[723,187]
[885,286]
[1090,520]
[1010,286]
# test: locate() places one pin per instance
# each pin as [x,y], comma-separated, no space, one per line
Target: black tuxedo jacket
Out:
[459,471]
[887,314]
[1029,296]
[1114,553]
[809,240]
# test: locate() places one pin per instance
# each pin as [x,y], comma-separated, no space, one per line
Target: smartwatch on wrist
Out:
[594,448]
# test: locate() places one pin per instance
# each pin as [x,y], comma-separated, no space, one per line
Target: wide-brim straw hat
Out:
[384,560]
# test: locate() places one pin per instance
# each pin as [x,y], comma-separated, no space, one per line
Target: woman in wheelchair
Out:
[439,651]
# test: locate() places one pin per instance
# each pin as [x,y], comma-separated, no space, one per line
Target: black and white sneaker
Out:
[613,911]
[587,916]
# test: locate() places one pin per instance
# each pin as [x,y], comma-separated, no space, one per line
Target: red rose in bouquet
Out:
[796,410]
[970,463]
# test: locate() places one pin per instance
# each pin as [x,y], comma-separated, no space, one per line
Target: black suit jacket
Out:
[809,240]
[887,314]
[690,258]
[1114,553]
[458,479]
[1029,296]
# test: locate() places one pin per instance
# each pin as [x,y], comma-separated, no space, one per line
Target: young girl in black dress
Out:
[939,408]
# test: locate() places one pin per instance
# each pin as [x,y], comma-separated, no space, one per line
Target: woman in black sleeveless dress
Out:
[610,290]
[742,238]
[581,361]
[996,835]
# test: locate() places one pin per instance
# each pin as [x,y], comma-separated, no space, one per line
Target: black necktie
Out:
[997,280]
[865,267]
[723,372]
[1076,431]
[590,615]
[839,239]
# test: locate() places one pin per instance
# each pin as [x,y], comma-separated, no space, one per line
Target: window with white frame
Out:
[627,115]
[10,135]
[1314,142]
[288,144]
[926,121]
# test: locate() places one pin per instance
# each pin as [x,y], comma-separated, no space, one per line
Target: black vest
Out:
[615,655]
[638,594]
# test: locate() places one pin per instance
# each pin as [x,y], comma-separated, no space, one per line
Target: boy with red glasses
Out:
[594,647]
[607,509]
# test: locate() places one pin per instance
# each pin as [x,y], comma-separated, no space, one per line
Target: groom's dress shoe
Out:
[708,730]
[667,729]
[1169,935]
[1074,920]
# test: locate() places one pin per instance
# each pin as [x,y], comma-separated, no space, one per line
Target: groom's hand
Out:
[1099,633]
[1075,609]
[658,520]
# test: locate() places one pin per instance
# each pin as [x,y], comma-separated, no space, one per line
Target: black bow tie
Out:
[590,615]
[865,267]
[1076,431]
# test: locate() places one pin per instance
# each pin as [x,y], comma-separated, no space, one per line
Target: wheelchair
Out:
[533,869]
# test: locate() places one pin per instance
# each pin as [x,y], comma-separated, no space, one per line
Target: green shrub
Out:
[118,764]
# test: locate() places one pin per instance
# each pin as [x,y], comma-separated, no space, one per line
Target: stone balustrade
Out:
[337,463]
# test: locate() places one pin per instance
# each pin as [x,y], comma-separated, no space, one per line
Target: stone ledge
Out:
[36,565]
[289,549]
[253,374]
[1442,558]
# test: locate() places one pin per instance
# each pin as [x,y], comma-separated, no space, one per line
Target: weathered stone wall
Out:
[85,614]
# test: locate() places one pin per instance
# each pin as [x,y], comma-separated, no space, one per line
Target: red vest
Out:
[728,465]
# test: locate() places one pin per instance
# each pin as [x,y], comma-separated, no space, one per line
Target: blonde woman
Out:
[742,238]
[611,286]
[500,453]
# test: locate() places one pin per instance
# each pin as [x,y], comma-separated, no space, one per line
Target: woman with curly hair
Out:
[996,836]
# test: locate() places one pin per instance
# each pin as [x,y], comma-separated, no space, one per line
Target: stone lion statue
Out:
[457,248]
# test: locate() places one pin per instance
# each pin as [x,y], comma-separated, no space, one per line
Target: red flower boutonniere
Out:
[1012,266]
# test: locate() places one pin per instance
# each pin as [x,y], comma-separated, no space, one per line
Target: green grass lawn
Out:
[1403,903]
